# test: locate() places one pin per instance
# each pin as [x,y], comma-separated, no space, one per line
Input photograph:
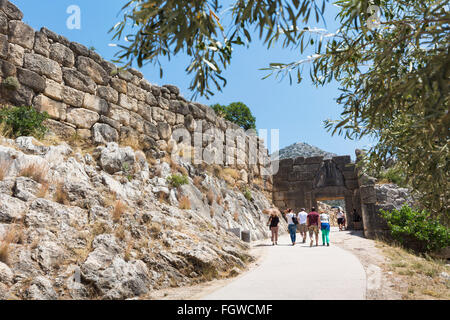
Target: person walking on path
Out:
[291,219]
[313,225]
[273,224]
[302,227]
[341,219]
[324,220]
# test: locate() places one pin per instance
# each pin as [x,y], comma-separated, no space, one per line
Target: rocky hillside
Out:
[302,149]
[109,223]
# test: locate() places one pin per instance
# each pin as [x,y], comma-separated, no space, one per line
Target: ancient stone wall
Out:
[91,98]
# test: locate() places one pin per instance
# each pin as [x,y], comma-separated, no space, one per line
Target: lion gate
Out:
[301,182]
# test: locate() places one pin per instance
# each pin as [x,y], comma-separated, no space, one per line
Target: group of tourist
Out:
[304,223]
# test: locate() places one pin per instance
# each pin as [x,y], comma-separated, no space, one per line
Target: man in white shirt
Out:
[289,216]
[302,227]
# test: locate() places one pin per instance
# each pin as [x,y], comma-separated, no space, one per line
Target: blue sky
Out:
[298,110]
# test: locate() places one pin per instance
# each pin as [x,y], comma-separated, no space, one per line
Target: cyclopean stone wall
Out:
[89,97]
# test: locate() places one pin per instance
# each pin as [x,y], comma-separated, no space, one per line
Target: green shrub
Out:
[11,83]
[417,230]
[177,180]
[247,194]
[394,175]
[23,121]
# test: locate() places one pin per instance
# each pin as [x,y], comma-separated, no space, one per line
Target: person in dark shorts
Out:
[273,222]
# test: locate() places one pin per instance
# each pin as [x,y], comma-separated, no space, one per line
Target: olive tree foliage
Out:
[393,70]
[236,112]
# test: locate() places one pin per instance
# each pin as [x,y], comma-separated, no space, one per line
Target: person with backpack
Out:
[292,221]
[273,224]
[324,220]
[341,219]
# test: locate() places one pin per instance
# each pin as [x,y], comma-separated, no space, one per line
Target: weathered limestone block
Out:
[19,97]
[53,90]
[170,117]
[119,85]
[179,119]
[119,114]
[111,122]
[210,115]
[84,134]
[41,44]
[61,129]
[55,109]
[163,103]
[79,81]
[109,67]
[16,54]
[137,122]
[72,96]
[4,46]
[7,69]
[145,111]
[136,92]
[158,114]
[196,112]
[190,123]
[299,160]
[79,49]
[150,99]
[286,163]
[128,103]
[108,93]
[22,34]
[172,89]
[156,90]
[92,69]
[43,66]
[10,10]
[31,79]
[82,118]
[62,55]
[3,23]
[125,75]
[312,160]
[151,130]
[164,130]
[103,133]
[368,194]
[96,104]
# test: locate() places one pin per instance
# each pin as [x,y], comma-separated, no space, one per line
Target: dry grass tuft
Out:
[35,171]
[219,200]
[163,197]
[131,141]
[14,234]
[61,196]
[4,168]
[420,274]
[42,193]
[185,203]
[127,254]
[210,197]
[236,216]
[198,182]
[119,209]
[212,212]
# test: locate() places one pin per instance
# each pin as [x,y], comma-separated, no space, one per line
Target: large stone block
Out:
[119,85]
[151,130]
[41,44]
[111,122]
[16,54]
[299,160]
[7,69]
[55,109]
[79,81]
[82,118]
[43,66]
[4,46]
[286,163]
[62,55]
[108,93]
[53,90]
[31,79]
[137,122]
[10,10]
[311,160]
[60,128]
[128,102]
[103,133]
[72,96]
[22,96]
[136,92]
[22,34]
[93,70]
[3,23]
[119,114]
[95,103]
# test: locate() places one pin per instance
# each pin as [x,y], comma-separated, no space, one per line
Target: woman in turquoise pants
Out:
[325,228]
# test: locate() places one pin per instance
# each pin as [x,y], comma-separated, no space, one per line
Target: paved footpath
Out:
[299,272]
